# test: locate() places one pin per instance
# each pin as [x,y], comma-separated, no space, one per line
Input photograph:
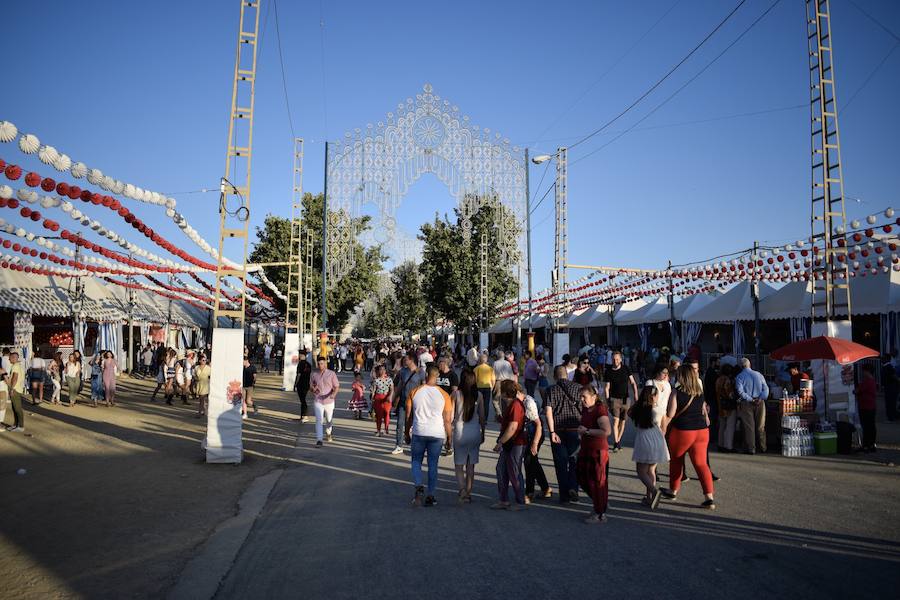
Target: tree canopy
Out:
[451,266]
[273,245]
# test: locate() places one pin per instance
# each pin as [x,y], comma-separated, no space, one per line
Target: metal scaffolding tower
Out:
[561,239]
[831,289]
[309,304]
[234,203]
[294,318]
[483,280]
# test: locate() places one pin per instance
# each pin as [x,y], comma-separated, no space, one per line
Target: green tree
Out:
[451,265]
[342,297]
[410,310]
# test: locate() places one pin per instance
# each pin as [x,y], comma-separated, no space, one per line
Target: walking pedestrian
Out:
[562,410]
[382,390]
[249,381]
[511,447]
[502,372]
[325,387]
[36,377]
[534,437]
[73,378]
[865,397]
[408,378]
[16,382]
[531,372]
[485,380]
[357,404]
[689,434]
[468,433]
[583,374]
[727,409]
[649,444]
[618,384]
[301,383]
[429,412]
[54,371]
[4,398]
[202,374]
[97,391]
[593,453]
[110,369]
[752,391]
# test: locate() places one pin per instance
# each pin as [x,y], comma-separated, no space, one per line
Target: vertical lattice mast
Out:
[831,290]
[562,237]
[234,205]
[308,295]
[293,320]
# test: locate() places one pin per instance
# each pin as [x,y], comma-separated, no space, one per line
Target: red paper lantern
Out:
[16,247]
[48,185]
[13,172]
[74,192]
[35,216]
[7,243]
[32,179]
[25,212]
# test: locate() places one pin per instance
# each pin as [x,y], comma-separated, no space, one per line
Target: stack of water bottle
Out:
[796,438]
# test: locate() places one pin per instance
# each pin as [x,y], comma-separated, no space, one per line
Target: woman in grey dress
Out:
[468,433]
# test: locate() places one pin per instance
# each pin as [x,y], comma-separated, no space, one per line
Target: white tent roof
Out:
[539,321]
[872,294]
[502,326]
[734,305]
[52,297]
[601,317]
[580,319]
[655,311]
[693,302]
[624,312]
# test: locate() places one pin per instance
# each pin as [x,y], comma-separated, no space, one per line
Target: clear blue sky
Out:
[141,90]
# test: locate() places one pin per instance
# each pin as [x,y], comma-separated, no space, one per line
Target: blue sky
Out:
[142,91]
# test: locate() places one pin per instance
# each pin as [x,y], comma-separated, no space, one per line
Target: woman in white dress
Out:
[649,443]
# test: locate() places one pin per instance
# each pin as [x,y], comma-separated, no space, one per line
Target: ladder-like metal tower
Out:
[309,300]
[561,238]
[294,318]
[830,277]
[234,203]
[483,278]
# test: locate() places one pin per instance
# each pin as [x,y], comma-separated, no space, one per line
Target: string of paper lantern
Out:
[30,144]
[14,172]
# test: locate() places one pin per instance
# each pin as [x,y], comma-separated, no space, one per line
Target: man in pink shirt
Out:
[325,386]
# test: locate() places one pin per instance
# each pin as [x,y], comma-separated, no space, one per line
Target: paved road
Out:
[338,524]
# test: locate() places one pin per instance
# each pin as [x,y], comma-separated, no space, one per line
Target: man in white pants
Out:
[325,386]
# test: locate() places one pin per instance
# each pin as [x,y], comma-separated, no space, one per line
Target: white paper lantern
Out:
[62,163]
[47,154]
[889,212]
[129,190]
[871,219]
[117,187]
[76,214]
[6,192]
[854,224]
[8,131]
[170,202]
[85,220]
[170,212]
[107,183]
[95,176]
[78,170]
[20,232]
[29,236]
[26,195]
[29,144]
[66,207]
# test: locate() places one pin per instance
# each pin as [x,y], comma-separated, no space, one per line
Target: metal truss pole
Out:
[561,241]
[830,277]
[483,279]
[293,319]
[234,204]
[324,308]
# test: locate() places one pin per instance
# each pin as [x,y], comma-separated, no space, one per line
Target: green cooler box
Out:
[825,442]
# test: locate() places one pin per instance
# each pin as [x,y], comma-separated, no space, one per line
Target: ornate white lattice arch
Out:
[427,134]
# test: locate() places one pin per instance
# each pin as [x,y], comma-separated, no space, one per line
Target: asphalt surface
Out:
[338,524]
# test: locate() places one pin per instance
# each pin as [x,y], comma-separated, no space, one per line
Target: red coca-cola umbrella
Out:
[843,352]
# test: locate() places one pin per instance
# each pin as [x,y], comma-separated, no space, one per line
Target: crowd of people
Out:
[44,378]
[441,399]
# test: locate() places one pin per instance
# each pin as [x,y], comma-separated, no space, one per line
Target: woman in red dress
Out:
[593,455]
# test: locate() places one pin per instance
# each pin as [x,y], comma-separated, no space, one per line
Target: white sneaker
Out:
[304,420]
[244,416]
[19,429]
[397,450]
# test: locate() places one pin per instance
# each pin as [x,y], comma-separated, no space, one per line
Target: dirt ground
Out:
[115,500]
